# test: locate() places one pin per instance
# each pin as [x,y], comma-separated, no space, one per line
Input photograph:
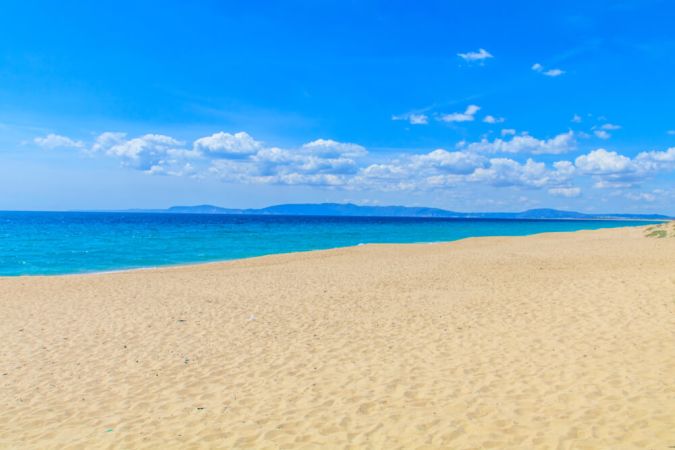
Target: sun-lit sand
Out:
[561,341]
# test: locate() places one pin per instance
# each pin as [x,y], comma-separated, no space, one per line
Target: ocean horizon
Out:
[60,243]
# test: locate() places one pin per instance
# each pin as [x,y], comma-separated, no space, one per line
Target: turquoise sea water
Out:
[39,243]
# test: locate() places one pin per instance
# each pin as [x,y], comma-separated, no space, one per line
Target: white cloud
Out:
[322,162]
[549,73]
[568,192]
[329,147]
[445,161]
[493,119]
[564,168]
[656,161]
[664,156]
[508,172]
[554,72]
[602,134]
[467,116]
[436,169]
[508,132]
[228,145]
[671,132]
[275,166]
[186,169]
[395,175]
[419,119]
[413,118]
[441,168]
[471,110]
[479,55]
[52,141]
[603,162]
[148,151]
[106,140]
[561,143]
[613,170]
[641,196]
[240,158]
[610,126]
[606,184]
[576,118]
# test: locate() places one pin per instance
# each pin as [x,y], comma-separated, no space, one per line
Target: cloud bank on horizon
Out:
[240,158]
[456,106]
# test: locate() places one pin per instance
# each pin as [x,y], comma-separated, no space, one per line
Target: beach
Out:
[557,340]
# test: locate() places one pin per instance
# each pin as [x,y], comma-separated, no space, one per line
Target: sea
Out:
[59,243]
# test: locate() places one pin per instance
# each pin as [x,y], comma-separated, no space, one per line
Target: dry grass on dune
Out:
[661,231]
[561,341]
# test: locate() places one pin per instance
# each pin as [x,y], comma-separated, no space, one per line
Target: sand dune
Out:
[561,341]
[663,230]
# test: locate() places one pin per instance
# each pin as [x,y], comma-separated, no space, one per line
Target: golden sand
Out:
[561,341]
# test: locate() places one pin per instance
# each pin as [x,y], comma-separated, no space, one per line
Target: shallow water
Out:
[48,243]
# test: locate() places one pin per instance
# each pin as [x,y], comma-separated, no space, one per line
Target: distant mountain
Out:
[349,209]
[352,210]
[203,209]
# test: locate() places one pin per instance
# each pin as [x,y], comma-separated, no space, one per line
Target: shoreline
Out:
[554,340]
[224,261]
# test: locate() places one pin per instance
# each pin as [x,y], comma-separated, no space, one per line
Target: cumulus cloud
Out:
[394,175]
[508,172]
[106,140]
[441,168]
[238,157]
[613,170]
[576,118]
[656,161]
[492,119]
[610,126]
[602,134]
[52,141]
[329,147]
[322,162]
[467,116]
[228,145]
[480,55]
[279,166]
[450,162]
[561,143]
[150,152]
[603,162]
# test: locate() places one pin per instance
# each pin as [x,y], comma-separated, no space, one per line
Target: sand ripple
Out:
[560,341]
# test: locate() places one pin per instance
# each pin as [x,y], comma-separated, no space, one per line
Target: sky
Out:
[467,106]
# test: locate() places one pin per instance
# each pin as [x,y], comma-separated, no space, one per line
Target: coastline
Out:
[553,340]
[224,261]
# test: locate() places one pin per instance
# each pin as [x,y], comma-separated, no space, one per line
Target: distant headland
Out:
[353,210]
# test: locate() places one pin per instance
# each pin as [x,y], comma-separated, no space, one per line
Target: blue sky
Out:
[480,105]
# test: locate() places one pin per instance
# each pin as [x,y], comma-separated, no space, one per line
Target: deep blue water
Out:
[40,243]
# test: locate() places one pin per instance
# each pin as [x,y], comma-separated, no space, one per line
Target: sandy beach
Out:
[553,341]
